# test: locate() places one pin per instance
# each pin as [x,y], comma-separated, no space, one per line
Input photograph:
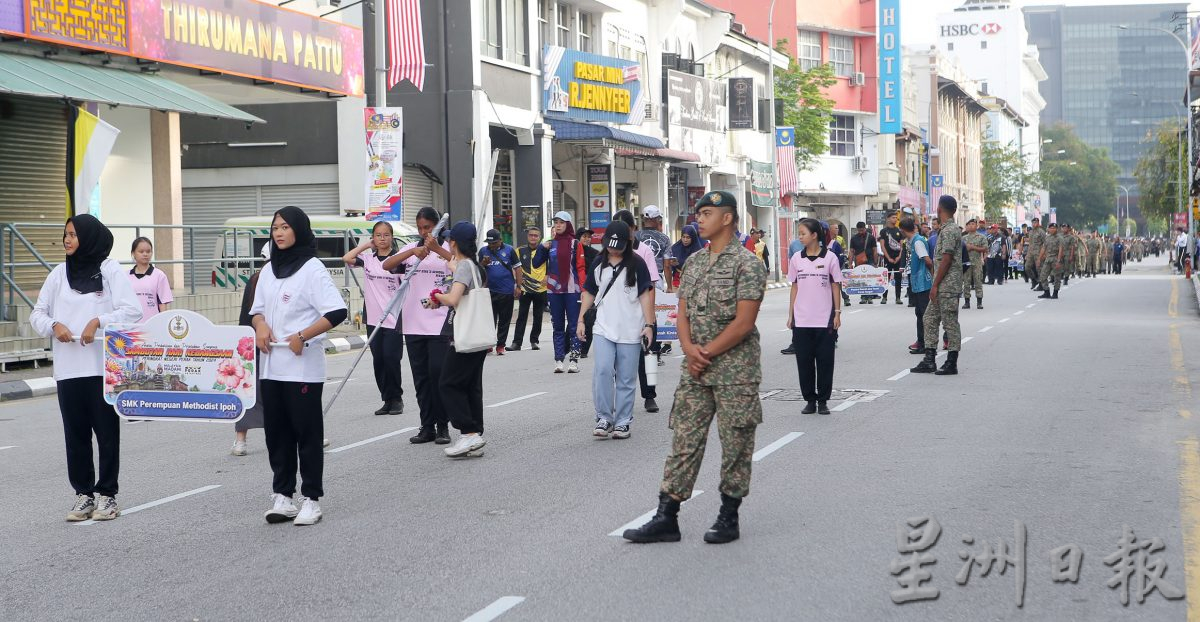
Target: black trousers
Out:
[461,387]
[426,355]
[502,308]
[84,412]
[921,299]
[814,360]
[896,275]
[648,392]
[589,323]
[387,354]
[294,429]
[538,302]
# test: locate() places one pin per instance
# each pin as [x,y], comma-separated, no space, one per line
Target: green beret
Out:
[718,198]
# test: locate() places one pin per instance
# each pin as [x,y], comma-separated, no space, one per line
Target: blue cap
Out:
[463,231]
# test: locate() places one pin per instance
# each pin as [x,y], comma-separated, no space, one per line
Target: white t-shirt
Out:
[1181,241]
[922,251]
[619,316]
[290,305]
[57,302]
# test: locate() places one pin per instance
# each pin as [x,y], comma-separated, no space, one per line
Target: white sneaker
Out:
[558,367]
[466,444]
[239,448]
[573,368]
[106,508]
[283,510]
[84,506]
[310,512]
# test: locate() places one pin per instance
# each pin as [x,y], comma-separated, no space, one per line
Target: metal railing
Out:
[228,251]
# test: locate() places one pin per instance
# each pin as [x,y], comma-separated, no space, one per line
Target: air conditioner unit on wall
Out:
[860,164]
[858,79]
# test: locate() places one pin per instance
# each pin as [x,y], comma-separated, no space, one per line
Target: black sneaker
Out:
[385,409]
[790,351]
[516,347]
[809,408]
[443,434]
[621,432]
[396,407]
[822,408]
[651,405]
[424,435]
[534,346]
[602,429]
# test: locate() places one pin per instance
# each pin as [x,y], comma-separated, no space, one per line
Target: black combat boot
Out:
[978,303]
[928,365]
[966,303]
[424,435]
[443,434]
[726,528]
[1045,293]
[950,367]
[664,527]
[1055,294]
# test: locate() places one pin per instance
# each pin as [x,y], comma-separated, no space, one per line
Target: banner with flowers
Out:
[179,366]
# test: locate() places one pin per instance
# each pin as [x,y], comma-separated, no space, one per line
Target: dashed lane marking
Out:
[985,329]
[1018,313]
[496,609]
[369,440]
[899,375]
[1030,306]
[966,339]
[787,438]
[517,399]
[153,504]
[1003,320]
[8,447]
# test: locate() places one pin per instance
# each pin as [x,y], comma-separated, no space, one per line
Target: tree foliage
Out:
[1158,172]
[801,102]
[1007,178]
[1082,180]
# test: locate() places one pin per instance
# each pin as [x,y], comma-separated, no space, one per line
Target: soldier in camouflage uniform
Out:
[1049,262]
[943,298]
[977,245]
[1033,247]
[1093,255]
[719,299]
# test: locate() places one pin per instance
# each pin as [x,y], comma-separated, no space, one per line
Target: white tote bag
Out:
[474,328]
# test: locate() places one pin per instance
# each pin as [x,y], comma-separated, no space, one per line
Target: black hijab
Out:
[286,261]
[95,243]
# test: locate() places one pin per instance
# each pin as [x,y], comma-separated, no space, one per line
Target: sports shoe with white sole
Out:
[573,368]
[558,367]
[602,429]
[282,511]
[620,432]
[84,506]
[239,448]
[465,445]
[106,508]
[310,512]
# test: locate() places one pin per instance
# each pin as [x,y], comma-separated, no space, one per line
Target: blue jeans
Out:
[564,311]
[614,383]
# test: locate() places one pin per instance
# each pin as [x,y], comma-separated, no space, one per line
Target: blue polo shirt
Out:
[500,270]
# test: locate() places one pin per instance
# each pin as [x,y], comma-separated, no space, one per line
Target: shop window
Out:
[810,49]
[505,31]
[841,54]
[562,25]
[585,23]
[842,136]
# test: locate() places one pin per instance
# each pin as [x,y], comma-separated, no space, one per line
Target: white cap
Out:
[563,216]
[651,211]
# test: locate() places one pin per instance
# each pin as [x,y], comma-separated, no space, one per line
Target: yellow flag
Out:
[94,140]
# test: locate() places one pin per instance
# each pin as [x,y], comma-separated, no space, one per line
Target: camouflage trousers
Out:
[1051,273]
[942,312]
[1093,263]
[738,412]
[973,278]
[1031,269]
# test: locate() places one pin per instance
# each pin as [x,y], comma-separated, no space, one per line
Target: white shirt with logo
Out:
[289,306]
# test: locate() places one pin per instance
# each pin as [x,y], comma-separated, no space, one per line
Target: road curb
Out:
[40,387]
[1196,286]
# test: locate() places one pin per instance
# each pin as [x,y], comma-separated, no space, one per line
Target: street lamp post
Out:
[1178,156]
[771,139]
[1126,191]
[1187,72]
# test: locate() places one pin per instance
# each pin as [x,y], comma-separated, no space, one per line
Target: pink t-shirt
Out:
[379,285]
[814,279]
[647,256]
[426,275]
[152,289]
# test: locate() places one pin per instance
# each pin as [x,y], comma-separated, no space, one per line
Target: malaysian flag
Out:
[406,45]
[785,160]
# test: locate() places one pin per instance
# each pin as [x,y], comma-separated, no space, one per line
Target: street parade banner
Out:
[666,314]
[865,281]
[1015,260]
[385,163]
[179,366]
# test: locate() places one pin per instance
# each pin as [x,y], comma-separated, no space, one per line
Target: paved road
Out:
[1072,417]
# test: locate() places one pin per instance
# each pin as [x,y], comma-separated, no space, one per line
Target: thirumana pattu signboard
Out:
[589,87]
[179,366]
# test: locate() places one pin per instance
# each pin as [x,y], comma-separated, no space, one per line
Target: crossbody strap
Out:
[616,273]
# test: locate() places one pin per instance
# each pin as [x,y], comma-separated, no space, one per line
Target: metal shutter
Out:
[418,193]
[33,172]
[314,199]
[210,208]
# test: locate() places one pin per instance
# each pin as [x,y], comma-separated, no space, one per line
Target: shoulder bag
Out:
[589,316]
[474,327]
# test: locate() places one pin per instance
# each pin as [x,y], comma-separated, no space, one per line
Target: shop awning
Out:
[39,77]
[670,155]
[603,136]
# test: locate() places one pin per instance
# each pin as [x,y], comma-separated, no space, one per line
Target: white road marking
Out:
[786,330]
[496,609]
[985,329]
[856,311]
[1030,306]
[966,339]
[641,520]
[146,506]
[8,447]
[338,381]
[1003,320]
[843,406]
[899,375]
[1018,313]
[369,440]
[516,399]
[773,447]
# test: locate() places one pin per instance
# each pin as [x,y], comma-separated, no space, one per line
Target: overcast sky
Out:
[919,17]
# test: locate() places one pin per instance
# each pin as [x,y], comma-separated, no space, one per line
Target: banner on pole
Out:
[666,314]
[865,281]
[385,163]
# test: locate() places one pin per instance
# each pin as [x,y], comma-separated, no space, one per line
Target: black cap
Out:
[493,235]
[718,198]
[616,236]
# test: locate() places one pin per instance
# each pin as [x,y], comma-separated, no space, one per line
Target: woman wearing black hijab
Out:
[294,304]
[79,297]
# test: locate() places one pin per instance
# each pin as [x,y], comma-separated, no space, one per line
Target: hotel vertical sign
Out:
[891,93]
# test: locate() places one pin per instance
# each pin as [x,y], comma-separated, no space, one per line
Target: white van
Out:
[239,245]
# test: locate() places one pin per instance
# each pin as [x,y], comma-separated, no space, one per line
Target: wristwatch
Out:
[300,334]
[647,326]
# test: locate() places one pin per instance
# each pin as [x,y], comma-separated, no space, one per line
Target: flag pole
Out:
[381,67]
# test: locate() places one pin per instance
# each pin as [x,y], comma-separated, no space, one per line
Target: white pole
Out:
[381,67]
[781,256]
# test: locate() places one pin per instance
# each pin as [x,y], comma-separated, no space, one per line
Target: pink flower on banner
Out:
[112,379]
[245,348]
[230,374]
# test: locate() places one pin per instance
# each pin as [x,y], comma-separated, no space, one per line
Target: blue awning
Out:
[601,135]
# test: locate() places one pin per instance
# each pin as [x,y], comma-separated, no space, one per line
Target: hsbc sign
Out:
[969,30]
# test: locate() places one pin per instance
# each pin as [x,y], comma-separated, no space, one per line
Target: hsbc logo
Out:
[968,30]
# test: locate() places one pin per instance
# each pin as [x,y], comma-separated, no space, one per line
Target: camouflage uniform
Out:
[973,276]
[1036,238]
[1049,268]
[944,310]
[728,389]
[1093,256]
